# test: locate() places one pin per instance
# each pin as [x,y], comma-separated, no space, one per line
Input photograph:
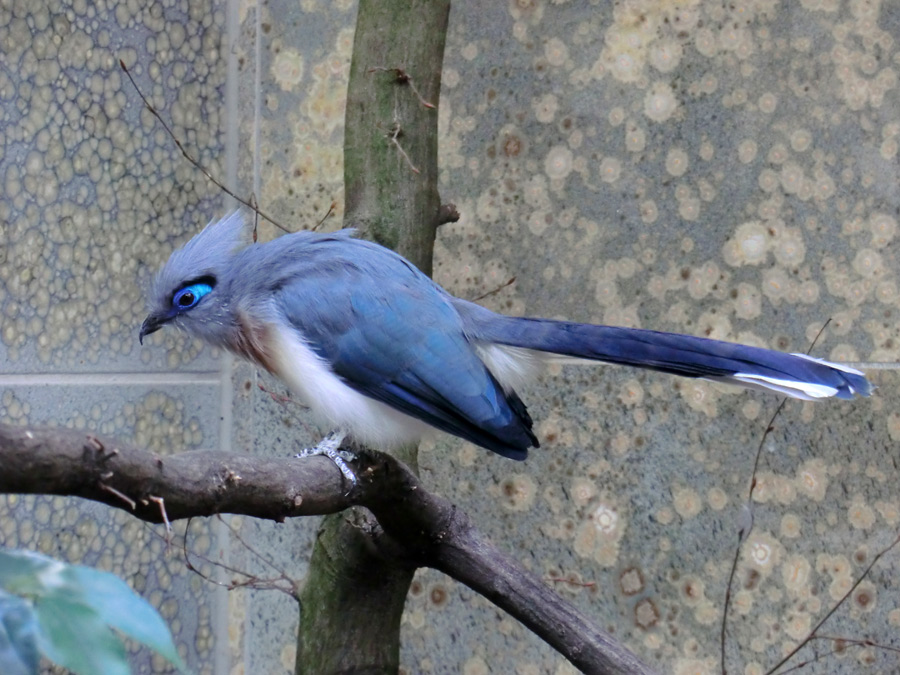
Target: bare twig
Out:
[404,78]
[396,132]
[841,644]
[160,502]
[814,659]
[856,643]
[505,284]
[327,215]
[237,535]
[281,583]
[125,498]
[745,530]
[215,181]
[281,399]
[254,205]
[830,612]
[571,582]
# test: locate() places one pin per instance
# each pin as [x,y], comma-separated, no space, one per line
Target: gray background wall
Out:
[691,167]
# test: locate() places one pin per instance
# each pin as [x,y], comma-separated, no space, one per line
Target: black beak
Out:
[151,325]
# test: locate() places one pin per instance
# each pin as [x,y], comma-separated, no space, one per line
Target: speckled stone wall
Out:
[94,197]
[677,166]
[729,172]
[685,166]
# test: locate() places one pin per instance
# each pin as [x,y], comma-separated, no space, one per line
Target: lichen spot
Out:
[883,228]
[864,596]
[762,550]
[610,169]
[692,590]
[632,393]
[700,396]
[545,108]
[583,491]
[660,102]
[558,163]
[556,52]
[867,263]
[768,102]
[649,211]
[790,526]
[761,553]
[748,246]
[476,666]
[812,479]
[801,139]
[631,581]
[287,69]
[666,55]
[635,138]
[747,150]
[605,519]
[518,492]
[860,514]
[795,573]
[747,302]
[687,502]
[676,162]
[717,498]
[797,625]
[645,614]
[438,596]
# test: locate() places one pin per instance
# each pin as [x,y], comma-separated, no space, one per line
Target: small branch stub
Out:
[448,213]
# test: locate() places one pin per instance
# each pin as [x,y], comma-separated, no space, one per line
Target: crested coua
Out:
[383,354]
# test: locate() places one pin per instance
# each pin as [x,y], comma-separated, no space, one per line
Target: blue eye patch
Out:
[188,296]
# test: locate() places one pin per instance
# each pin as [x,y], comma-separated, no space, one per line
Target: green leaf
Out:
[18,636]
[27,573]
[96,600]
[123,609]
[75,637]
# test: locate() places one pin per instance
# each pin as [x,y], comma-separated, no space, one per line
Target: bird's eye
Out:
[189,296]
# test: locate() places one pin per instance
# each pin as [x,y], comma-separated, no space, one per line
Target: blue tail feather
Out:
[796,375]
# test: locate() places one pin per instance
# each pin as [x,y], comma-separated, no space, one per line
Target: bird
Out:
[384,355]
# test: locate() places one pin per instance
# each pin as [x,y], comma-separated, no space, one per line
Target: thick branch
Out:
[66,462]
[414,527]
[442,536]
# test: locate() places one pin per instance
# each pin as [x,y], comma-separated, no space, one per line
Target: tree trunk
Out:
[353,599]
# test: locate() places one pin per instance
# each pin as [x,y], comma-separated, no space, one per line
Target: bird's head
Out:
[187,292]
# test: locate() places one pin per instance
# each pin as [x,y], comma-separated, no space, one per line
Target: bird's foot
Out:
[330,447]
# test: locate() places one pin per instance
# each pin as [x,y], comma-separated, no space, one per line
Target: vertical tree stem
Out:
[390,132]
[353,599]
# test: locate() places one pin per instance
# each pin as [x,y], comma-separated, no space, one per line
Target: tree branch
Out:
[412,527]
[202,483]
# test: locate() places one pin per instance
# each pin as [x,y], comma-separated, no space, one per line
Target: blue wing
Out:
[389,333]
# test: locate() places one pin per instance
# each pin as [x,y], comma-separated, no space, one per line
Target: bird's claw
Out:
[330,447]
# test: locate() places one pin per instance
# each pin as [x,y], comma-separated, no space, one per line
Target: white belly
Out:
[338,406]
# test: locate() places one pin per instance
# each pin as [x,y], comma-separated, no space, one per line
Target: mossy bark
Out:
[390,143]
